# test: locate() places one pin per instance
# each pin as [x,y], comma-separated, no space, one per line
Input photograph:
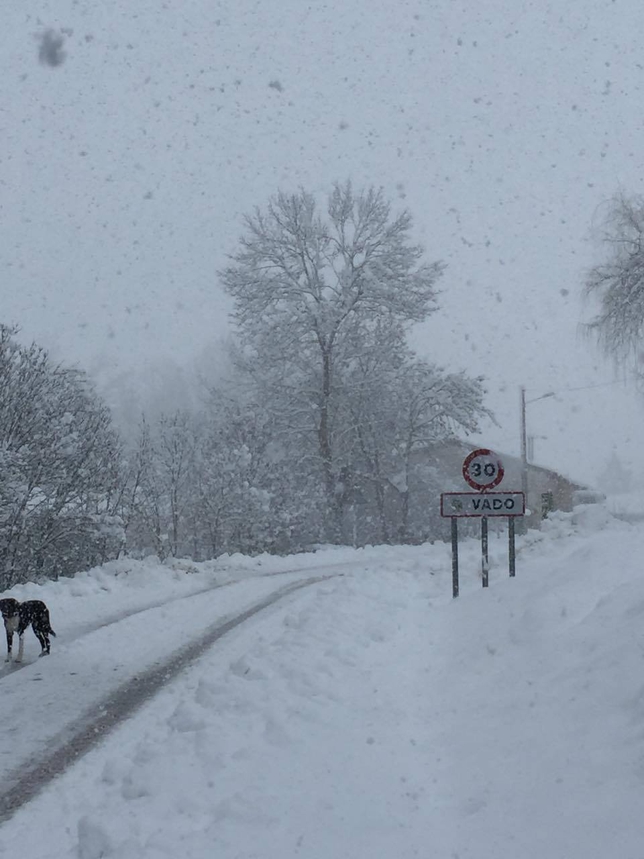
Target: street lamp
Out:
[524,439]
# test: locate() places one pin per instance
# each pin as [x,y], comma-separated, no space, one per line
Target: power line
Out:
[596,385]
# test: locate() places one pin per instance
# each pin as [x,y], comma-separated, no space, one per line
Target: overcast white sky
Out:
[503,126]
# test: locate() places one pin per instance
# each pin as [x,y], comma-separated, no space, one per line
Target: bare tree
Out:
[400,404]
[618,283]
[145,510]
[302,282]
[162,475]
[251,494]
[175,451]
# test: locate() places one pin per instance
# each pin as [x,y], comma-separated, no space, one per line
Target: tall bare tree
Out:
[303,280]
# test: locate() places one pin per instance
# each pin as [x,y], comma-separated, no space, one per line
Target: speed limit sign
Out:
[483,469]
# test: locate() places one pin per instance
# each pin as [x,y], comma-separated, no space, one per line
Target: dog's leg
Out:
[21,645]
[44,641]
[22,626]
[9,642]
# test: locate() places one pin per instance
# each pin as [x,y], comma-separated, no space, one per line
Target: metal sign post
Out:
[482,470]
[454,556]
[511,547]
[485,561]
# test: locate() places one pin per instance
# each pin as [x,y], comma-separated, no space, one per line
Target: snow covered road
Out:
[372,715]
[263,709]
[58,735]
[97,653]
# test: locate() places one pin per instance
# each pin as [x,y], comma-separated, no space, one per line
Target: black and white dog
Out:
[18,616]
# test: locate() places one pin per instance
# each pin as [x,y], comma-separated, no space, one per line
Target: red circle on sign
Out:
[479,481]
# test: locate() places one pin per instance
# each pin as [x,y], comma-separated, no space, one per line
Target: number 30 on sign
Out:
[483,469]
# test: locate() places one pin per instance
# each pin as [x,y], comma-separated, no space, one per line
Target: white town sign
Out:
[479,504]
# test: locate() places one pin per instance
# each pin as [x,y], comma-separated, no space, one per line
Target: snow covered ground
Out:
[364,715]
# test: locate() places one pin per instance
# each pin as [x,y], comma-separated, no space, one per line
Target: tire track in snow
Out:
[86,629]
[22,785]
[116,618]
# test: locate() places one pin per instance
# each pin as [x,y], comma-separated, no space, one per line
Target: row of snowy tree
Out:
[319,415]
[59,467]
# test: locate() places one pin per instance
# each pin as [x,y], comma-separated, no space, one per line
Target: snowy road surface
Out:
[370,715]
[59,735]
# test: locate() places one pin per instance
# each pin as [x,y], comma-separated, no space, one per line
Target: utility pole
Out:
[524,440]
[524,449]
